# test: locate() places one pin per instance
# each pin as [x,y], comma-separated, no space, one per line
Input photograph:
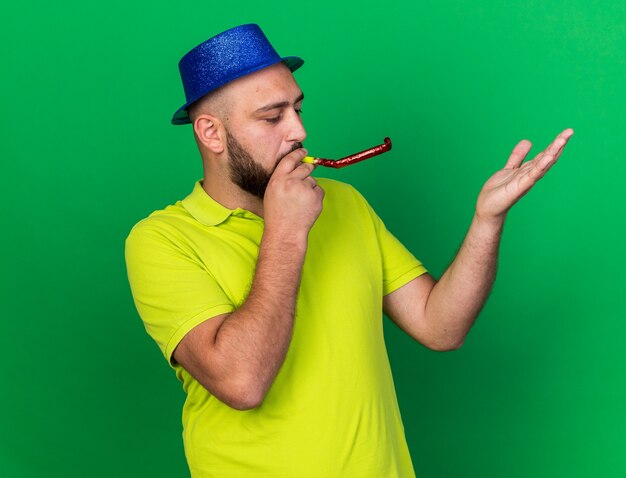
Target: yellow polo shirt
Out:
[332,409]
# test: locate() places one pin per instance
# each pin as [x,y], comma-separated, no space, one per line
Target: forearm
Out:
[454,302]
[237,356]
[251,344]
[457,298]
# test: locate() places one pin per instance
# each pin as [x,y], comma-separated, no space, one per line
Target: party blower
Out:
[353,158]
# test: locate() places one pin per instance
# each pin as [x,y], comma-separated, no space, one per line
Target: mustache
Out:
[295,146]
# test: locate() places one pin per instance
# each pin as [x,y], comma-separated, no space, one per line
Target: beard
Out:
[245,172]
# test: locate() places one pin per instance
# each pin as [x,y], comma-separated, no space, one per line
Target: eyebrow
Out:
[281,104]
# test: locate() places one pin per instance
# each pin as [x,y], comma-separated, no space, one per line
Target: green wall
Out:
[86,94]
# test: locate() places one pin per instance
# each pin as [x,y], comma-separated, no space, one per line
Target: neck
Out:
[218,185]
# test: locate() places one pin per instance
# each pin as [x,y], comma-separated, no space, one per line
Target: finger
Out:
[545,163]
[302,170]
[561,140]
[537,168]
[567,133]
[519,153]
[555,148]
[291,161]
[310,180]
[551,151]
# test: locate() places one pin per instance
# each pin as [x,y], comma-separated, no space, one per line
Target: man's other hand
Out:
[508,185]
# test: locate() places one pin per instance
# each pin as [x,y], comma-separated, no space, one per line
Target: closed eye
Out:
[276,119]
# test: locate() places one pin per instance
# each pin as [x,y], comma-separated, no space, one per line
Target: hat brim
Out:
[181,115]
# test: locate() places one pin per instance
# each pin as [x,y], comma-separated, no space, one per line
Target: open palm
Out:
[508,185]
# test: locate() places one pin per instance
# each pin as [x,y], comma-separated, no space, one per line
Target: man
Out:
[265,287]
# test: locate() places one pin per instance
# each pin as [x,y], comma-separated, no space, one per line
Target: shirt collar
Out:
[208,211]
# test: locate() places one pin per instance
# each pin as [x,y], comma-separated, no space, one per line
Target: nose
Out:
[296,131]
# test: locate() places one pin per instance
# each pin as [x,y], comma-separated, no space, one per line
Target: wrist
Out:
[286,238]
[489,221]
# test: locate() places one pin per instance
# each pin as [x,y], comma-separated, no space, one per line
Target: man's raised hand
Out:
[508,185]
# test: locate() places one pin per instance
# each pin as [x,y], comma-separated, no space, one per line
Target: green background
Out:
[87,92]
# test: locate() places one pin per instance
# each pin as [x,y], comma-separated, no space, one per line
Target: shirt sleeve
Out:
[172,290]
[400,266]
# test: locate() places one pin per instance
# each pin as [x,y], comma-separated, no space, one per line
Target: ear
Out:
[209,130]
